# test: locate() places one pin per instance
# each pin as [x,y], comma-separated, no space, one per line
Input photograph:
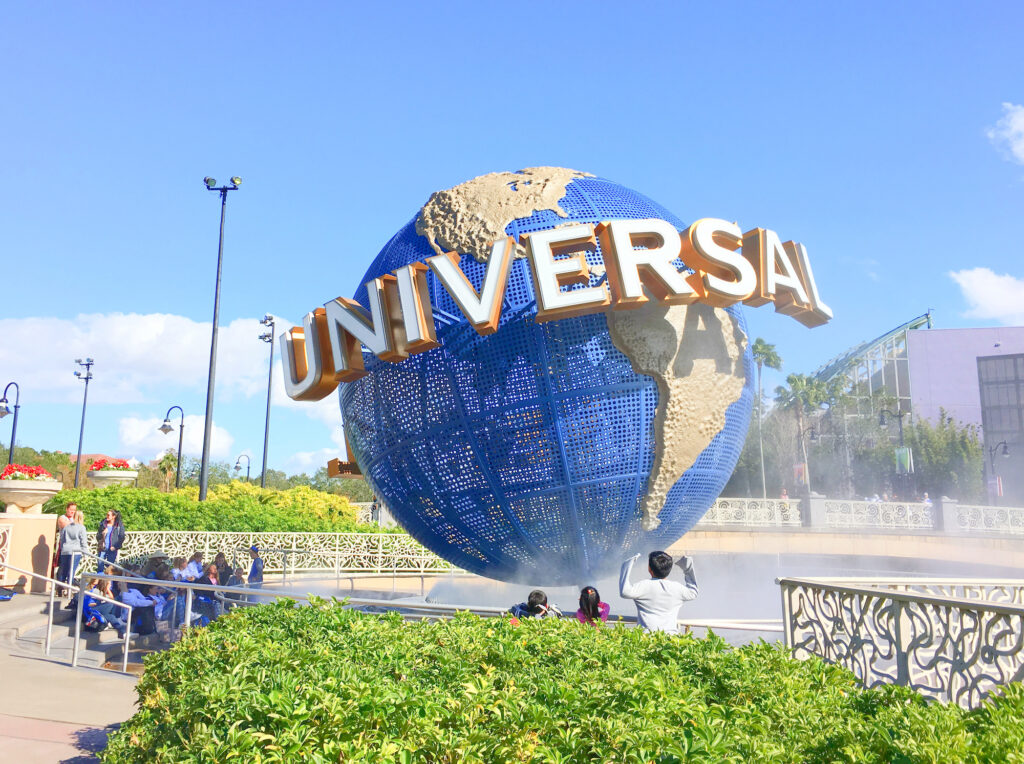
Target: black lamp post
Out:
[165,428]
[1003,450]
[898,416]
[204,468]
[812,437]
[267,337]
[248,464]
[5,409]
[87,364]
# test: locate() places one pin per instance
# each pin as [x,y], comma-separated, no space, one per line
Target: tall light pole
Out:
[248,465]
[267,337]
[165,428]
[87,364]
[204,469]
[881,423]
[6,409]
[1003,450]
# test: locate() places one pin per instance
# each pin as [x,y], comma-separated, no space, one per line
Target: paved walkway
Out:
[50,712]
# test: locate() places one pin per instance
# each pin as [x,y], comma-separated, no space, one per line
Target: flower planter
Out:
[103,478]
[26,497]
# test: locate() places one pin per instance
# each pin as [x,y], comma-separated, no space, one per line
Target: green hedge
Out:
[233,507]
[325,684]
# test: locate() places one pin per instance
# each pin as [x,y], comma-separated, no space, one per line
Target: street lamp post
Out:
[267,337]
[812,437]
[165,428]
[5,410]
[87,364]
[882,421]
[248,464]
[1003,450]
[204,469]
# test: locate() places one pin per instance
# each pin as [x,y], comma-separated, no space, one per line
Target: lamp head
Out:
[268,320]
[1005,451]
[814,436]
[238,467]
[78,360]
[881,419]
[210,182]
[165,428]
[236,181]
[267,337]
[4,408]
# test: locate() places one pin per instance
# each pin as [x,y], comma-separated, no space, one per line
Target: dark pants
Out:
[111,614]
[68,563]
[106,555]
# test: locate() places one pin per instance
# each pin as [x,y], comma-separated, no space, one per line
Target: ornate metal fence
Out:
[1009,591]
[879,514]
[5,545]
[948,648]
[753,512]
[348,552]
[977,517]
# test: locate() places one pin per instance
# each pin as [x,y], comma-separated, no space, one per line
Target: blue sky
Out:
[888,138]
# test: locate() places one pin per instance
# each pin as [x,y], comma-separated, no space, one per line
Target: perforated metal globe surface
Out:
[527,454]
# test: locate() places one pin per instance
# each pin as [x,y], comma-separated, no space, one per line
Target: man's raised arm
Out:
[627,589]
[690,580]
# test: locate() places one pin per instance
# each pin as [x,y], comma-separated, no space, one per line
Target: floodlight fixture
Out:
[210,182]
[236,181]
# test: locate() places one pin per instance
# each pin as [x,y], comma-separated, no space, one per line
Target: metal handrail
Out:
[78,624]
[105,561]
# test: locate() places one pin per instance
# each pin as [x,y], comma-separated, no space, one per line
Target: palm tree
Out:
[806,395]
[168,464]
[764,355]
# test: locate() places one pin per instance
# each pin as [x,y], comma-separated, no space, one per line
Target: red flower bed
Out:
[24,472]
[109,464]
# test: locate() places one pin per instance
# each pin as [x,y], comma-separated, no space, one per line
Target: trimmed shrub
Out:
[328,684]
[236,506]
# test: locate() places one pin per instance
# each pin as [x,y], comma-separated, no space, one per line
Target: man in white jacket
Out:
[657,599]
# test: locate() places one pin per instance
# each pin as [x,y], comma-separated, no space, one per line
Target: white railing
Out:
[879,514]
[953,649]
[1004,591]
[978,517]
[349,552]
[753,512]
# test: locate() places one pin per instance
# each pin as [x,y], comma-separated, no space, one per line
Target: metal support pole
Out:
[204,468]
[49,621]
[188,608]
[181,437]
[85,399]
[14,425]
[78,625]
[127,639]
[270,379]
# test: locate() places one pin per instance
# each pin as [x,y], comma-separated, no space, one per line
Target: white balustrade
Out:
[986,519]
[753,512]
[953,649]
[879,514]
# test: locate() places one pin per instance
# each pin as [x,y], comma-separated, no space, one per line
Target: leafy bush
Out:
[326,684]
[236,506]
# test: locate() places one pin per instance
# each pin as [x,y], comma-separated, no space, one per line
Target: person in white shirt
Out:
[194,569]
[657,599]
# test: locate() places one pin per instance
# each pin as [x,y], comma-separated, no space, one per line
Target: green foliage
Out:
[236,506]
[327,684]
[57,463]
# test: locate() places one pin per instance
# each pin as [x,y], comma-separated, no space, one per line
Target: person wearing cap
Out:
[256,571]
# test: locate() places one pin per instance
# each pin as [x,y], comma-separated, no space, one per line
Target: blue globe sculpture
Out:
[527,454]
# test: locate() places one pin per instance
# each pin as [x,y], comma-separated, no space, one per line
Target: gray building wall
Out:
[944,368]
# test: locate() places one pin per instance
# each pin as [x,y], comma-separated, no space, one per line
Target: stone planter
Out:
[26,497]
[103,478]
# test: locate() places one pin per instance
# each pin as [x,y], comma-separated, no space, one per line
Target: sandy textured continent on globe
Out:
[473,215]
[694,353]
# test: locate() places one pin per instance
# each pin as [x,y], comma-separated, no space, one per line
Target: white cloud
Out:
[1008,134]
[990,295]
[143,438]
[135,355]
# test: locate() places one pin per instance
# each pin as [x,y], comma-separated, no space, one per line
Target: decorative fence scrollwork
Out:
[951,649]
[879,514]
[753,512]
[346,552]
[977,517]
[5,545]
